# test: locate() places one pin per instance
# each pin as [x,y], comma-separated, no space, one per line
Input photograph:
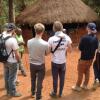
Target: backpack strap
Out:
[56,46]
[10,53]
[1,35]
[6,38]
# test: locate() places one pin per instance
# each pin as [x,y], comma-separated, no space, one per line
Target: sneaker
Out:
[33,95]
[24,73]
[84,87]
[53,94]
[16,94]
[60,94]
[76,88]
[7,93]
[97,81]
[39,98]
[96,84]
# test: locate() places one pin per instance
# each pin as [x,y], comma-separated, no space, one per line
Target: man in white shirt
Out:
[59,57]
[11,66]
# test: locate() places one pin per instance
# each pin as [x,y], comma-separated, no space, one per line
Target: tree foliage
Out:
[16,8]
[20,5]
[95,4]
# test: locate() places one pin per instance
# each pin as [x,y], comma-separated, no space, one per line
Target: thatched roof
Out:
[48,11]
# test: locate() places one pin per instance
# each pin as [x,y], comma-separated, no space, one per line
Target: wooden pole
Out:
[11,11]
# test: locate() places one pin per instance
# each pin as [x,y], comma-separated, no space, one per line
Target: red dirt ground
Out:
[71,76]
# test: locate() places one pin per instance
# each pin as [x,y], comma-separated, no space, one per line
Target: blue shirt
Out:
[88,45]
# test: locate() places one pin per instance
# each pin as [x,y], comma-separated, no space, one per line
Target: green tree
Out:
[95,4]
[11,8]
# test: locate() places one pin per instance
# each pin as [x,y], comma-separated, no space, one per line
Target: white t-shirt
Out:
[11,43]
[59,56]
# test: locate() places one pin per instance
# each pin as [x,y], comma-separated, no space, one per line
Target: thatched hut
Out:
[48,11]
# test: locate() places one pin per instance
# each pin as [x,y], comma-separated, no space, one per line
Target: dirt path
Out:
[68,94]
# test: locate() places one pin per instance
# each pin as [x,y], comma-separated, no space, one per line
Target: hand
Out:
[21,44]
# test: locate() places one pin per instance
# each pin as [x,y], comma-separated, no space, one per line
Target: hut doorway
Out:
[74,30]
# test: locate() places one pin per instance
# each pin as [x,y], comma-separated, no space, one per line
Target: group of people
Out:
[38,48]
[57,45]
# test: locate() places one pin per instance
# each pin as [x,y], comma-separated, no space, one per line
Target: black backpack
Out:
[3,52]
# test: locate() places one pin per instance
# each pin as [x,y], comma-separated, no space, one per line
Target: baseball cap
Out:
[11,26]
[92,26]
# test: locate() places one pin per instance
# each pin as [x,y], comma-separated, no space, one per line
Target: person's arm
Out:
[69,48]
[69,45]
[47,50]
[81,44]
[15,49]
[22,42]
[17,56]
[50,44]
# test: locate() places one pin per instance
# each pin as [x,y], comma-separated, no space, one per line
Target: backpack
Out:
[3,52]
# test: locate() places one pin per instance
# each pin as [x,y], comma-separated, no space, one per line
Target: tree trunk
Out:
[11,11]
[0,7]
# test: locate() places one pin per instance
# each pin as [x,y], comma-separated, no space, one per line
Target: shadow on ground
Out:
[74,96]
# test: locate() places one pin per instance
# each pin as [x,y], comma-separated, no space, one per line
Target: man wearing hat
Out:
[11,66]
[87,46]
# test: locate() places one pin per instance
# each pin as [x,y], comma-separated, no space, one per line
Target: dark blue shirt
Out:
[88,45]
